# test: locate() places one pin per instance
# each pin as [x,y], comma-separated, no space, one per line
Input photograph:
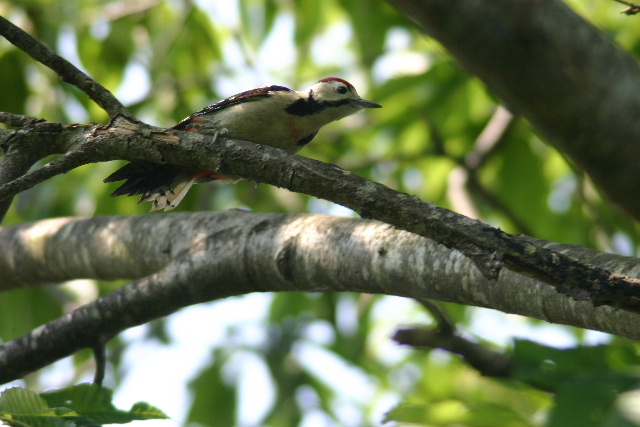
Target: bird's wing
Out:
[246,96]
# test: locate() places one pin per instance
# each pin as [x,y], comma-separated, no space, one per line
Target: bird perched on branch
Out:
[272,115]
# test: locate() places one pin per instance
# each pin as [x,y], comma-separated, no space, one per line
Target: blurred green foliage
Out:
[167,59]
[84,405]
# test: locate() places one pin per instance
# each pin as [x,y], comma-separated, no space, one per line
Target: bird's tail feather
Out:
[163,185]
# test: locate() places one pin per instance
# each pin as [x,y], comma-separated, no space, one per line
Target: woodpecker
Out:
[271,115]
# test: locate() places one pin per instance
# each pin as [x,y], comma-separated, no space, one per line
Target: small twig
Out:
[21,149]
[445,325]
[12,167]
[498,205]
[489,139]
[465,177]
[633,8]
[100,356]
[66,70]
[487,362]
[58,166]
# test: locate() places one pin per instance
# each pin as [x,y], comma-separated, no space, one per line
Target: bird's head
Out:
[339,93]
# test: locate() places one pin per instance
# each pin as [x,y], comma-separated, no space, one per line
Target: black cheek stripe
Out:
[308,106]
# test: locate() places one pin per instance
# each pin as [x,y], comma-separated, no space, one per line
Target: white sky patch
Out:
[398,39]
[221,11]
[242,77]
[320,332]
[348,382]
[278,51]
[502,329]
[75,110]
[68,47]
[256,390]
[100,29]
[158,374]
[319,206]
[391,313]
[400,59]
[396,64]
[332,47]
[136,84]
[622,244]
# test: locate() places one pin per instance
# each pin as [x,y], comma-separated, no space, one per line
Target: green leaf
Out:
[94,405]
[145,411]
[214,401]
[407,413]
[455,412]
[588,400]
[22,401]
[586,380]
[13,85]
[22,407]
[292,304]
[548,368]
[25,309]
[370,21]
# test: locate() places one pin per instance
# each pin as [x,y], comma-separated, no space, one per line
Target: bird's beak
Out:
[363,103]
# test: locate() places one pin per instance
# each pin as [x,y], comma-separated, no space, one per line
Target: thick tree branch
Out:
[66,70]
[555,69]
[187,258]
[489,248]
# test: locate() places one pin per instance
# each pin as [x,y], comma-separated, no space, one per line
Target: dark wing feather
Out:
[246,96]
[142,178]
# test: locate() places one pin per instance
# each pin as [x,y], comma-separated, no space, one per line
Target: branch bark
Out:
[548,64]
[22,148]
[489,248]
[16,162]
[187,258]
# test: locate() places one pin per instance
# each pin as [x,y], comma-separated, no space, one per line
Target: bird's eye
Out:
[342,90]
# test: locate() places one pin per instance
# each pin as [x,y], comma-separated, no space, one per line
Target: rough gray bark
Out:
[188,258]
[489,248]
[548,64]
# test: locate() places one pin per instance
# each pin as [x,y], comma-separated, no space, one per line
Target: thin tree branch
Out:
[488,362]
[88,326]
[55,167]
[22,148]
[489,140]
[100,355]
[12,168]
[66,70]
[632,9]
[465,176]
[445,325]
